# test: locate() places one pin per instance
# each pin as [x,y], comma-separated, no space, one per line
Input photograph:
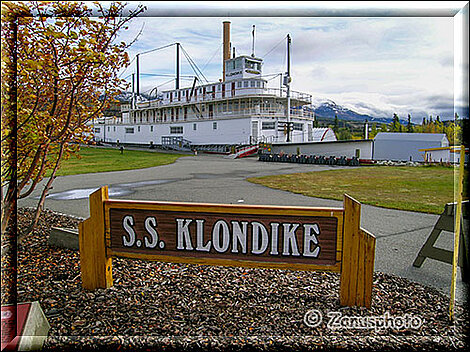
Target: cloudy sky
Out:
[373,65]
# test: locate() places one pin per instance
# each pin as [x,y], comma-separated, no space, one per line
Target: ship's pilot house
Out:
[243,67]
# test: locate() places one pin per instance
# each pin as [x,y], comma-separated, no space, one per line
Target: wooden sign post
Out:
[297,238]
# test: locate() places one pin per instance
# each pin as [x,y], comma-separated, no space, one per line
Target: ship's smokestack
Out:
[226,45]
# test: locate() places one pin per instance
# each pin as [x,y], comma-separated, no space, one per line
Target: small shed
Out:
[406,146]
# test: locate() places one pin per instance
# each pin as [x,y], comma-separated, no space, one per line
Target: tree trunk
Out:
[44,193]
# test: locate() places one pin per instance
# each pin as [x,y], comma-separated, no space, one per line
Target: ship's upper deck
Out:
[243,79]
[239,88]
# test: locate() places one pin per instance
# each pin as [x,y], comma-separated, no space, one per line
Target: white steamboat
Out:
[240,109]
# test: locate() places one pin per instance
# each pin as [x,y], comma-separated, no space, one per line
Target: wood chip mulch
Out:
[180,307]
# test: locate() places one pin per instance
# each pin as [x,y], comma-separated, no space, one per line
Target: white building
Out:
[406,146]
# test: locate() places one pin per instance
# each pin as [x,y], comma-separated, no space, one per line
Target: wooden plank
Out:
[339,242]
[225,262]
[86,260]
[369,268]
[355,251]
[361,262]
[96,267]
[222,208]
[348,279]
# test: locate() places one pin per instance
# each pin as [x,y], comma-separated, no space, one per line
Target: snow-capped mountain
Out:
[329,109]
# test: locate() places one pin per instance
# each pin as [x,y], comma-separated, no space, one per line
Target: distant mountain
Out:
[328,109]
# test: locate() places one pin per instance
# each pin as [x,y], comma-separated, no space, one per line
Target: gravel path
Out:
[174,307]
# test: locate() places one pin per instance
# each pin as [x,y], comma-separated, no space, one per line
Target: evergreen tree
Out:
[395,123]
[409,126]
[335,126]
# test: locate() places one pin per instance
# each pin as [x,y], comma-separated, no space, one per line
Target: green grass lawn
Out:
[422,189]
[109,159]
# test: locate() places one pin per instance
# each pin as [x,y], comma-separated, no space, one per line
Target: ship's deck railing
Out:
[207,97]
[238,113]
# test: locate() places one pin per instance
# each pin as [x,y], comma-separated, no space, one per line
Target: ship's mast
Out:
[253,42]
[177,84]
[287,83]
[133,91]
[138,74]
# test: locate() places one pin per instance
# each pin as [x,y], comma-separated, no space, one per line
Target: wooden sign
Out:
[298,238]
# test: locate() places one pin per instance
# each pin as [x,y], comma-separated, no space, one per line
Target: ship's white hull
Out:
[246,130]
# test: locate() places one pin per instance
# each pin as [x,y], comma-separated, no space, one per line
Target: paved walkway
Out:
[214,179]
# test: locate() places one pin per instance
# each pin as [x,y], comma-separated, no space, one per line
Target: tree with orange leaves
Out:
[60,66]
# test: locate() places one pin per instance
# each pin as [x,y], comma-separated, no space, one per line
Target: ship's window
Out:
[176,129]
[298,126]
[253,83]
[151,128]
[138,128]
[245,84]
[239,84]
[129,129]
[97,130]
[214,125]
[219,87]
[258,84]
[194,126]
[268,125]
[114,129]
[109,128]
